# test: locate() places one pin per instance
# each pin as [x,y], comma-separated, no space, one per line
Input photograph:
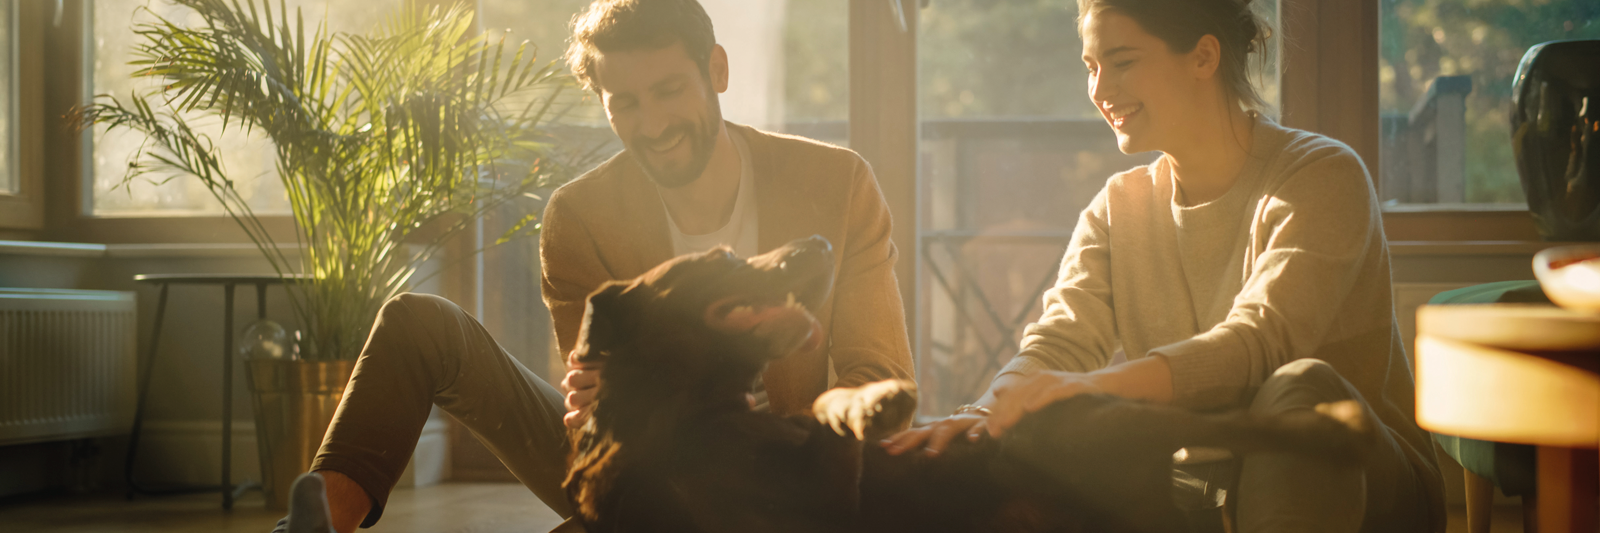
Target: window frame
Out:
[24,209]
[69,214]
[1331,91]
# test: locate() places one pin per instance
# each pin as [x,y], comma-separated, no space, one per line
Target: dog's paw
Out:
[1347,412]
[871,408]
[1341,430]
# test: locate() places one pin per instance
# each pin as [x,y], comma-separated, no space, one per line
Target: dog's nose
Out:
[809,253]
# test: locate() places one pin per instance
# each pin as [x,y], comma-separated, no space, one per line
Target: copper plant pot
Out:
[294,402]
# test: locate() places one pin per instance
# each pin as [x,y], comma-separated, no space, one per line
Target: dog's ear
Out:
[605,321]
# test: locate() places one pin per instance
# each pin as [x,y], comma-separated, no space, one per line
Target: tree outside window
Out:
[1457,57]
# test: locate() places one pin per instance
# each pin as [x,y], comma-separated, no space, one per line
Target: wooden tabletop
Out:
[1520,373]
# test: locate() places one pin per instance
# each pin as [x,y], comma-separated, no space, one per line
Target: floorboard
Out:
[444,508]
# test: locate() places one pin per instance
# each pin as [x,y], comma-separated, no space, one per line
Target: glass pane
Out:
[9,181]
[248,159]
[788,62]
[1012,150]
[1445,77]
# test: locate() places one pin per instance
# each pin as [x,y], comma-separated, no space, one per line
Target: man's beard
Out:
[702,138]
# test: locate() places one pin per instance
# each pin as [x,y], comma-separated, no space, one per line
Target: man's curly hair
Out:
[622,25]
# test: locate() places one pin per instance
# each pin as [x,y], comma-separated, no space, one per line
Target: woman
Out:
[1245,267]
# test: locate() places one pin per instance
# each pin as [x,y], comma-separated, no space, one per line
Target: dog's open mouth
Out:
[784,323]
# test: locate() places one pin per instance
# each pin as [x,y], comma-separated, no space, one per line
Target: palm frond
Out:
[376,136]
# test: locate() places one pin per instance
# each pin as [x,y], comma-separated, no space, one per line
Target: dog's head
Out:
[705,324]
[685,340]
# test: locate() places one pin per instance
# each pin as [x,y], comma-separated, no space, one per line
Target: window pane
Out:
[1012,150]
[1445,77]
[248,160]
[10,183]
[787,59]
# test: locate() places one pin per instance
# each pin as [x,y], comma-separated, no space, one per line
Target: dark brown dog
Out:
[673,445]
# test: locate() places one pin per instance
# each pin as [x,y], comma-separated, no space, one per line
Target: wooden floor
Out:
[446,508]
[449,507]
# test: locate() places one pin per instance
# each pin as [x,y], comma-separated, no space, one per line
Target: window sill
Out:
[1461,223]
[1455,208]
[1478,248]
[131,251]
[51,249]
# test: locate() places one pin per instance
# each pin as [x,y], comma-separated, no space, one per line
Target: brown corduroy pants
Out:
[426,351]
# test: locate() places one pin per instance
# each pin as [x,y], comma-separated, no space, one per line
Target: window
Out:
[1011,151]
[787,60]
[249,159]
[10,178]
[1445,78]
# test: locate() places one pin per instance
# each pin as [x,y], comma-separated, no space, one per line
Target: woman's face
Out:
[1149,95]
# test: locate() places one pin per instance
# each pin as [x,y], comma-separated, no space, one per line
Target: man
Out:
[686,181]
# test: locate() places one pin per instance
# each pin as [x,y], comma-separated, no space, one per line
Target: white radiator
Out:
[67,364]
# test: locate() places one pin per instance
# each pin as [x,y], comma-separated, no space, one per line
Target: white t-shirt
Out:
[739,233]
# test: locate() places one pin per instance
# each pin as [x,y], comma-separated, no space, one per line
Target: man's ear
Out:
[719,69]
[604,320]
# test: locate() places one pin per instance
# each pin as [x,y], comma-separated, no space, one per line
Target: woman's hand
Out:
[581,383]
[933,438]
[1019,397]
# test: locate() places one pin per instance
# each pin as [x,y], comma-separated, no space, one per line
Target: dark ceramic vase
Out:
[1555,133]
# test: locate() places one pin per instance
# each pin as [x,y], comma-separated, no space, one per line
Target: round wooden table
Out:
[1520,373]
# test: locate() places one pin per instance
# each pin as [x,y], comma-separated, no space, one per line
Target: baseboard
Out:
[190,452]
[430,464]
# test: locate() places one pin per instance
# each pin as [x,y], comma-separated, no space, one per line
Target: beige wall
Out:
[181,440]
[752,33]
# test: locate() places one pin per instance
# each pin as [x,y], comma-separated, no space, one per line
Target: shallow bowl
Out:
[1568,276]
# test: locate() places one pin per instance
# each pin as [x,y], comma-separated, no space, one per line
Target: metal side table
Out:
[229,491]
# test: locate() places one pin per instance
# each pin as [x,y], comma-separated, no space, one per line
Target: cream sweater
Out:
[1290,263]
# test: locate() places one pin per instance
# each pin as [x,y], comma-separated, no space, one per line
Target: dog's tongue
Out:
[789,328]
[747,318]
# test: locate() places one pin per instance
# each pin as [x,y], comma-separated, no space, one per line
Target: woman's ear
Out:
[1206,57]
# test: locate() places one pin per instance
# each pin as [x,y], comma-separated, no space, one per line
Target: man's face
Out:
[664,109]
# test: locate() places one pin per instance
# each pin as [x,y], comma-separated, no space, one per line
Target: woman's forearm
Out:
[1148,379]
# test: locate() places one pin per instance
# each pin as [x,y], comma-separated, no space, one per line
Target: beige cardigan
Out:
[609,224]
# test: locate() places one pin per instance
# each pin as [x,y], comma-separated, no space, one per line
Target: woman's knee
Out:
[1302,383]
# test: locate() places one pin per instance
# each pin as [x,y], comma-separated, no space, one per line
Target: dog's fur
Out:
[672,444]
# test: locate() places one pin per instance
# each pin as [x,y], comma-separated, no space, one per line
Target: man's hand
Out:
[581,383]
[1031,393]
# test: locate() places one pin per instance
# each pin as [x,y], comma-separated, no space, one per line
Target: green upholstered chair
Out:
[1488,465]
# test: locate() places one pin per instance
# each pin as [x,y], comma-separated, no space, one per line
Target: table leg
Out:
[144,393]
[1480,502]
[261,301]
[227,396]
[1569,489]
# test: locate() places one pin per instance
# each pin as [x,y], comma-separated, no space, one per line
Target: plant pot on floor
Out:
[294,402]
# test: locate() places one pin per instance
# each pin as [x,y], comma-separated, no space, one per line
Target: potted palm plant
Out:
[387,143]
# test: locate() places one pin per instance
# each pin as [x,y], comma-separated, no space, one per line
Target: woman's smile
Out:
[1119,116]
